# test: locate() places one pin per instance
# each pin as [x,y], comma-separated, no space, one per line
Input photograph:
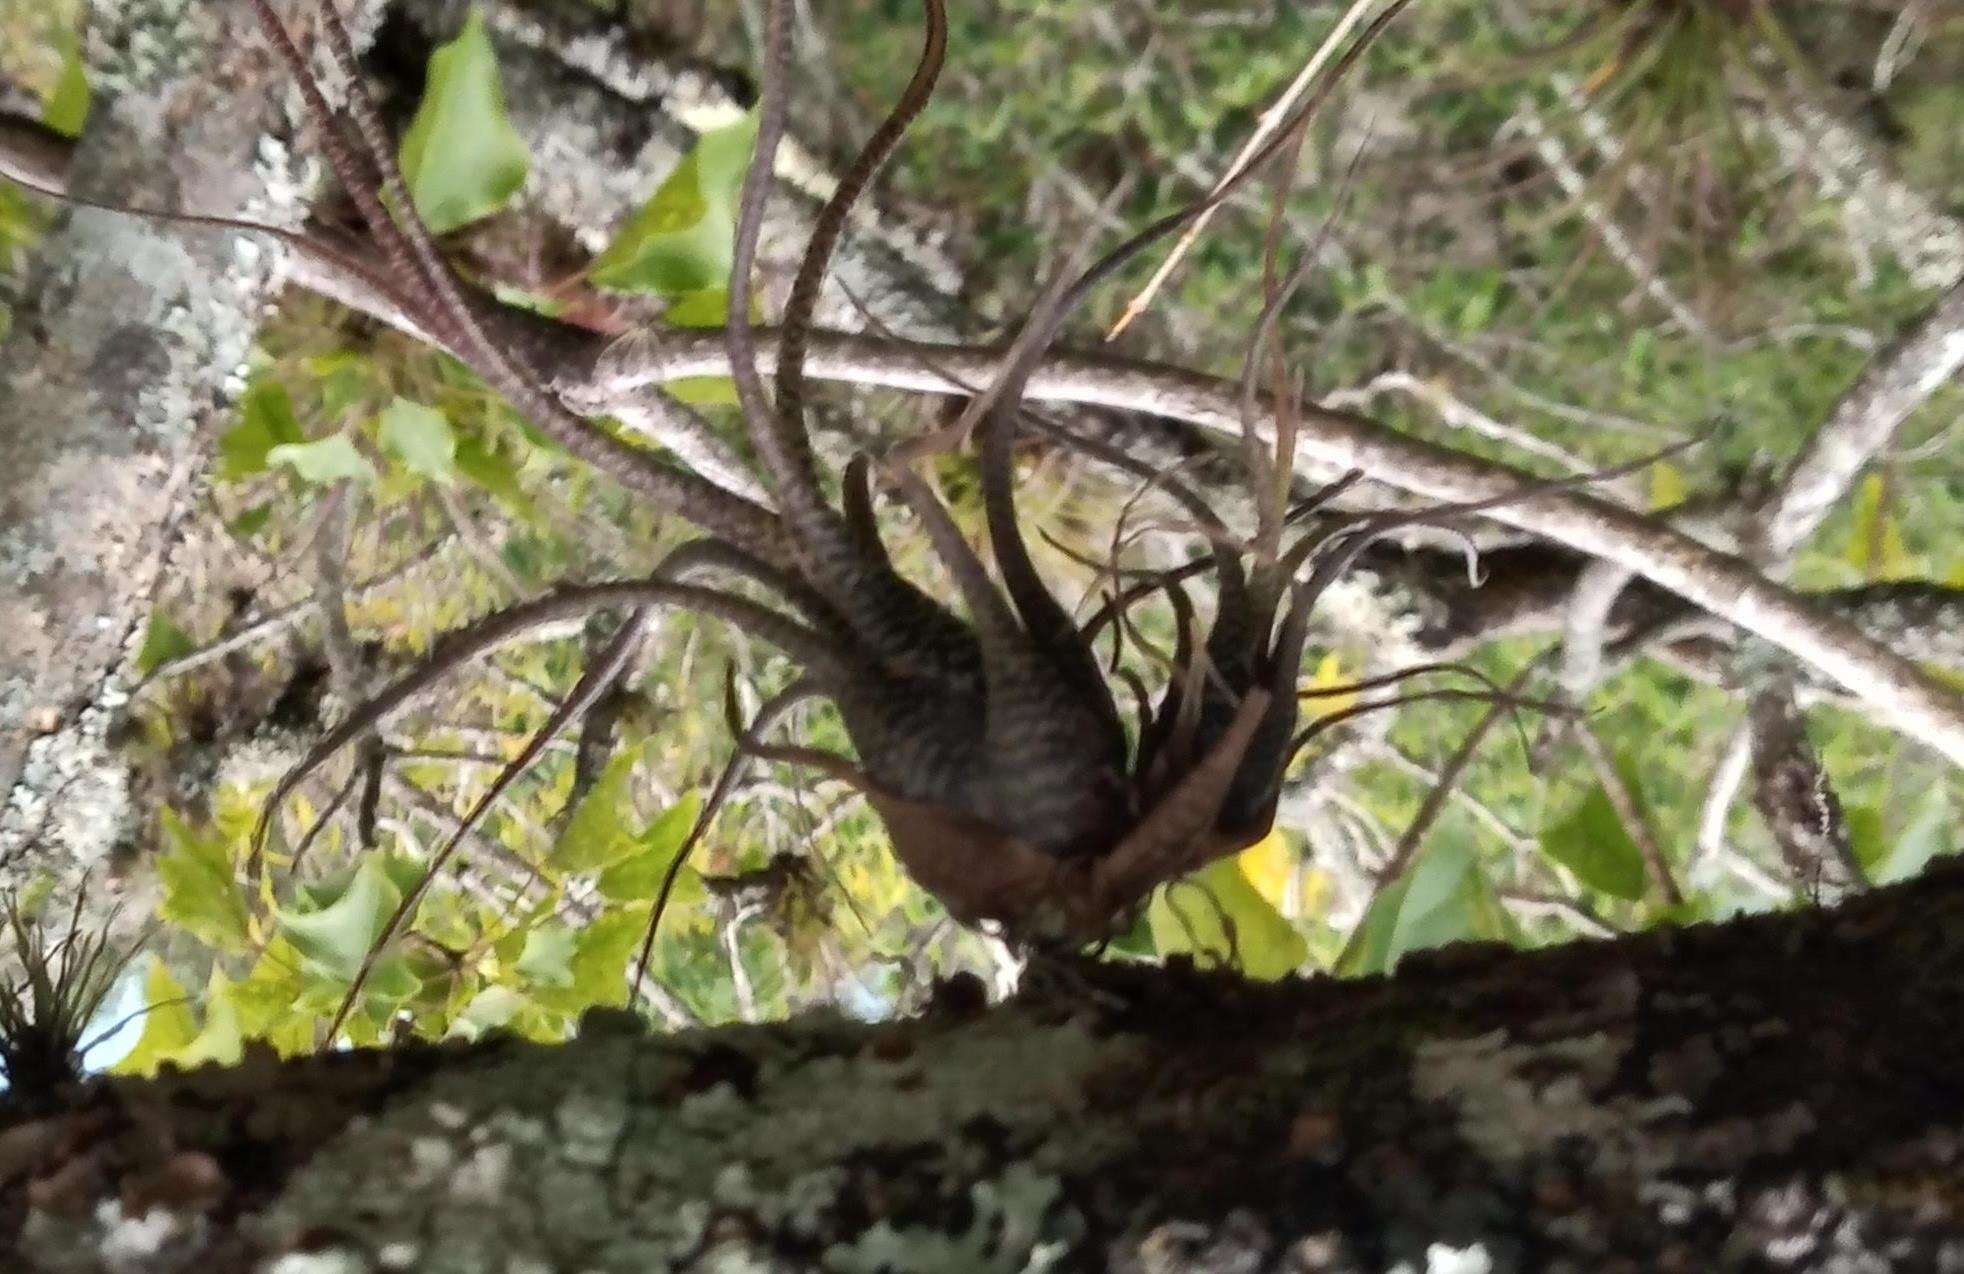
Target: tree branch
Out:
[1894,384]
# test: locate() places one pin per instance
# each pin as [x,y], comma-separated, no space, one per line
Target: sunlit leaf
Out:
[1667,486]
[598,832]
[267,1001]
[461,156]
[1218,916]
[199,894]
[1268,864]
[421,438]
[219,1041]
[168,1023]
[1330,683]
[322,463]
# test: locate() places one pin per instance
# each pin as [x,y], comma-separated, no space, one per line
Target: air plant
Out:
[1661,79]
[65,972]
[989,742]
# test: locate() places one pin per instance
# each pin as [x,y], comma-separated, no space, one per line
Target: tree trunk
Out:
[122,348]
[1778,1092]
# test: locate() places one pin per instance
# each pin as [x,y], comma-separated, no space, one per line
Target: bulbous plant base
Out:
[982,875]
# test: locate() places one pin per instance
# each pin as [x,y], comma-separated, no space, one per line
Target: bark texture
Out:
[1778,1092]
[123,345]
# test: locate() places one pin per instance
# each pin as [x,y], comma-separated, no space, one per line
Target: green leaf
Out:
[1443,899]
[1439,905]
[461,156]
[489,1009]
[251,522]
[681,240]
[219,1042]
[323,463]
[268,1001]
[1667,486]
[600,960]
[1877,551]
[168,1024]
[496,475]
[547,959]
[1928,835]
[1591,842]
[163,641]
[336,938]
[1216,913]
[637,876]
[65,105]
[597,833]
[345,380]
[421,438]
[1867,837]
[266,421]
[199,893]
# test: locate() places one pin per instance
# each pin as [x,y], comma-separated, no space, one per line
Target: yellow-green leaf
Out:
[219,1041]
[65,105]
[637,877]
[1876,547]
[461,156]
[1667,486]
[1217,915]
[168,1024]
[597,834]
[199,894]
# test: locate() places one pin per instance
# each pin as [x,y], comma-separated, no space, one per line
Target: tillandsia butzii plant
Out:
[60,971]
[989,740]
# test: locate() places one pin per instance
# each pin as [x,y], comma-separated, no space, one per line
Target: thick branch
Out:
[1733,1096]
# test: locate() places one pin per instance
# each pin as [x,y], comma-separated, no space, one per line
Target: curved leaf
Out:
[461,156]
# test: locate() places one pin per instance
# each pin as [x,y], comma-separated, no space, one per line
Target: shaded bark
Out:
[1775,1092]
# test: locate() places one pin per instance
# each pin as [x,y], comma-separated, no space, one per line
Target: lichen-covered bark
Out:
[1779,1092]
[126,339]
